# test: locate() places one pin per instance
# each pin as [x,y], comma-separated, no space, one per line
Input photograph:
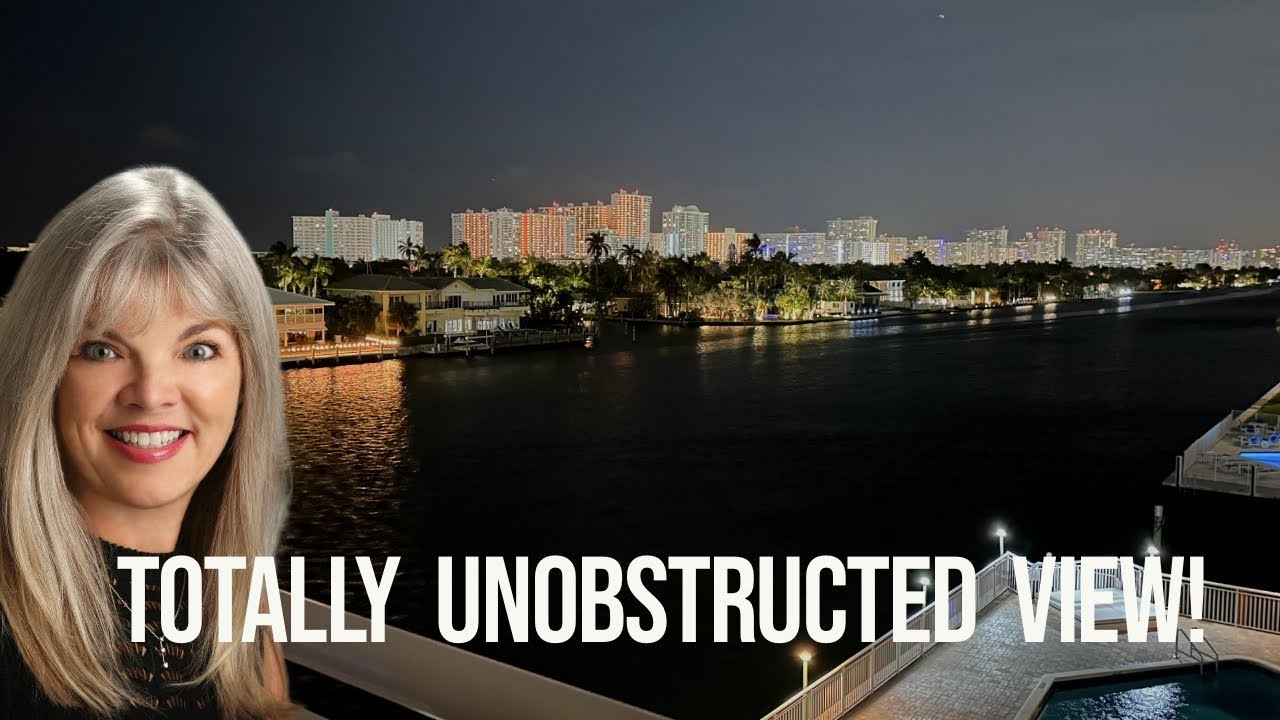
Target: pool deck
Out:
[991,675]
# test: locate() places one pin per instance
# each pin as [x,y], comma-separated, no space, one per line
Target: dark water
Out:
[884,438]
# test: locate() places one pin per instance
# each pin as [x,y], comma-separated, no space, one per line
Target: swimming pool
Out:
[1237,691]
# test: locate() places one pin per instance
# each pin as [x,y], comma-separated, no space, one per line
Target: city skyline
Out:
[1142,117]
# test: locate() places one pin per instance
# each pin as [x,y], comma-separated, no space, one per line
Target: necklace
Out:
[164,658]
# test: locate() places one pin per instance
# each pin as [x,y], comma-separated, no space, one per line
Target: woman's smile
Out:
[147,443]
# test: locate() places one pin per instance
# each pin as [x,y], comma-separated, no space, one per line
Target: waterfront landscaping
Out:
[753,288]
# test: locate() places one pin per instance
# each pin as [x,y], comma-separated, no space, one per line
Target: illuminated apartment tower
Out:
[934,249]
[1046,245]
[657,242]
[1095,247]
[899,248]
[1226,255]
[684,230]
[855,239]
[987,245]
[472,228]
[727,246]
[354,238]
[496,233]
[547,235]
[587,218]
[630,216]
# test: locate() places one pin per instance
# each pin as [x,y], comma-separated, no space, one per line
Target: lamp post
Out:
[1000,533]
[1152,550]
[924,583]
[805,657]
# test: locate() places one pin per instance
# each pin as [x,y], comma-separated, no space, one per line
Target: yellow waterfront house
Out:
[445,305]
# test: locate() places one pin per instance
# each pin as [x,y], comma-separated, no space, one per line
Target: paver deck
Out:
[990,675]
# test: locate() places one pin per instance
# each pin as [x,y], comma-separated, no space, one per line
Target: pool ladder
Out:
[1193,653]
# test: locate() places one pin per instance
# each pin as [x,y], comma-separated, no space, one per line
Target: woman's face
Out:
[141,419]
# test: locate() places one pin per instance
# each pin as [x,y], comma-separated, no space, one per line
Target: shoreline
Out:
[1168,297]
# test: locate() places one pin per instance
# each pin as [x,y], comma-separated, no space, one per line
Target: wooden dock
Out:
[465,345]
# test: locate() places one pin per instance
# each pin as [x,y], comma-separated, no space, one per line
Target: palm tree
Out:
[574,277]
[483,267]
[848,288]
[407,252]
[597,248]
[630,255]
[289,273]
[403,315]
[424,258]
[455,257]
[320,270]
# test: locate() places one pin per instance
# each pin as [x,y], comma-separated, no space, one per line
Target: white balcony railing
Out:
[851,682]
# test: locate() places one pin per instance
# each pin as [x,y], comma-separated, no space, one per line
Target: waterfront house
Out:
[299,318]
[446,305]
[867,300]
[892,289]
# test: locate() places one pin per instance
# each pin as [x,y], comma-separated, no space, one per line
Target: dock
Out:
[465,344]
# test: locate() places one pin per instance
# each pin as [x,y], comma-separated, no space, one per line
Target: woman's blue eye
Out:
[209,351]
[97,351]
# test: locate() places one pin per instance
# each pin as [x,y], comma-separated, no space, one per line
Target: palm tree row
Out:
[644,283]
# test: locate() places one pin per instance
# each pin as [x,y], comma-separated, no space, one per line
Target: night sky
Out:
[1157,119]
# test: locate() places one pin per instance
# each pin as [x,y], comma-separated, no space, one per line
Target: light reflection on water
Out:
[350,438]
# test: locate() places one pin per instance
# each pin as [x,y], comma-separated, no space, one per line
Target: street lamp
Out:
[1000,533]
[1152,550]
[805,657]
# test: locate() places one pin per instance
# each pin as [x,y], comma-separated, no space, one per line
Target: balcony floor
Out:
[990,675]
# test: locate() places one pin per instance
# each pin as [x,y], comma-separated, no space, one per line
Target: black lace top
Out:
[144,662]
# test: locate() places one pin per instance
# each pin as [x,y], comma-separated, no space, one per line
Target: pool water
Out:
[1235,692]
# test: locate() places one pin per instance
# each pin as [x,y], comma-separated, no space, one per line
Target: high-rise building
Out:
[545,235]
[379,237]
[855,239]
[1093,247]
[684,229]
[803,247]
[1262,257]
[1197,256]
[934,249]
[505,233]
[728,245]
[1046,244]
[1226,255]
[472,228]
[987,245]
[630,217]
[899,247]
[587,218]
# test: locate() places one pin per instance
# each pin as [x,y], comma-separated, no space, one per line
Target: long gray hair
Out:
[128,242]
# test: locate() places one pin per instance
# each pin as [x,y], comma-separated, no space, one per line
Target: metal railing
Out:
[1240,607]
[851,682]
[1193,653]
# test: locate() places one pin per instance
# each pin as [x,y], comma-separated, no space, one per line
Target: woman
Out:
[141,412]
